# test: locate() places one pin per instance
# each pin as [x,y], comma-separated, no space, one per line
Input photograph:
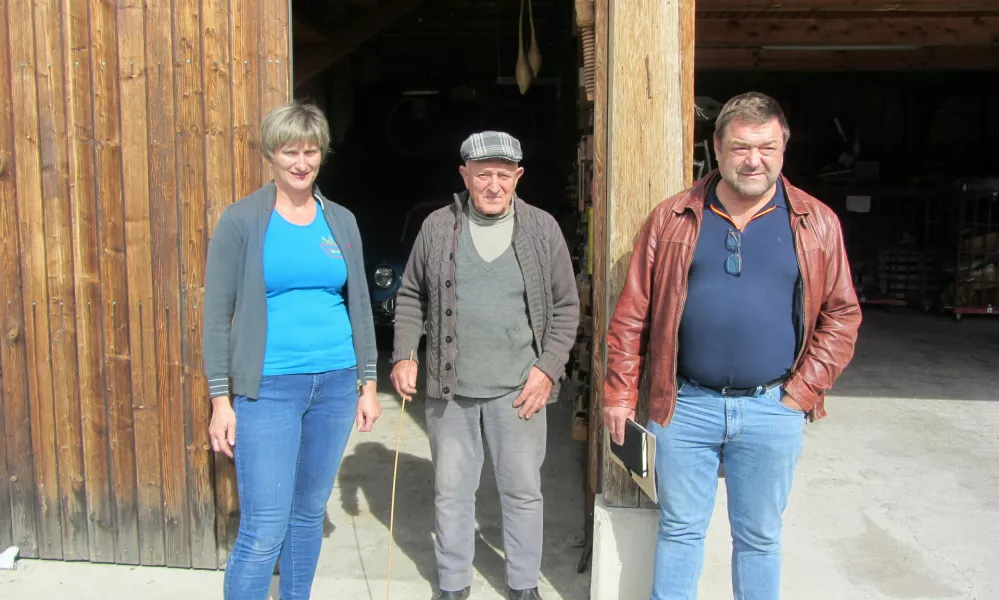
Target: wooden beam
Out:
[865,5]
[926,59]
[946,29]
[650,72]
[348,34]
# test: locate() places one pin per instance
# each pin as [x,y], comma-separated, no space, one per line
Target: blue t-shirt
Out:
[741,331]
[308,329]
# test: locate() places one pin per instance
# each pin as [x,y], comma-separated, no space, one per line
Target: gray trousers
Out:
[517,448]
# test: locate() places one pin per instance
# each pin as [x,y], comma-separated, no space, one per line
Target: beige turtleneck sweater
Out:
[492,235]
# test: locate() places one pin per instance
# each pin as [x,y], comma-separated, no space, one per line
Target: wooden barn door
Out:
[125,128]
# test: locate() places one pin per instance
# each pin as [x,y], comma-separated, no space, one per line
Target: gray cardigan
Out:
[235,313]
[427,293]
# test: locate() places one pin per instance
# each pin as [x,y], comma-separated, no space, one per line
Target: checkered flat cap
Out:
[494,145]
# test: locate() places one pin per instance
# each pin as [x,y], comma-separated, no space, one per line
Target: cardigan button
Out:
[447,390]
[447,283]
[447,367]
[450,256]
[448,339]
[449,312]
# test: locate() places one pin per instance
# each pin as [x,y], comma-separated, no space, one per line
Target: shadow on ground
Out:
[367,470]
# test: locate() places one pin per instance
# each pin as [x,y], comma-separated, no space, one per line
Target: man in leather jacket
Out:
[740,304]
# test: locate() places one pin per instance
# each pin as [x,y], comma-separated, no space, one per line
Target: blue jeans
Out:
[759,440]
[289,443]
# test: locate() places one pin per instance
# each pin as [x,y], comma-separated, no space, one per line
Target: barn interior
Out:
[404,82]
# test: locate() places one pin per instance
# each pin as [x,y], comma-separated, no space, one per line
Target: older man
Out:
[740,304]
[492,279]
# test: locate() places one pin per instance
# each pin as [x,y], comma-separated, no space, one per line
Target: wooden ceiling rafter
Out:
[939,29]
[846,5]
[924,59]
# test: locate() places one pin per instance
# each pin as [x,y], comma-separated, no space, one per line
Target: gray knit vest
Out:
[495,343]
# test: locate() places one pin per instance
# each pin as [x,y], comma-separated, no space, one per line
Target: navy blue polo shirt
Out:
[740,331]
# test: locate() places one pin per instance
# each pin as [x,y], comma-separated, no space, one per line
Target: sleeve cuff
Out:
[218,387]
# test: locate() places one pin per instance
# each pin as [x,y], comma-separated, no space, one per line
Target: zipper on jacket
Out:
[802,301]
[683,305]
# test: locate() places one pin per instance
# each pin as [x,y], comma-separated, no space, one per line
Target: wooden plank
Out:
[274,67]
[925,59]
[646,123]
[6,195]
[189,143]
[348,34]
[54,151]
[31,229]
[138,267]
[6,526]
[245,28]
[851,5]
[599,249]
[219,175]
[114,298]
[245,96]
[86,266]
[163,214]
[20,472]
[688,22]
[218,110]
[861,29]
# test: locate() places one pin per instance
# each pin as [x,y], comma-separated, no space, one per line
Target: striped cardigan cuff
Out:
[370,371]
[218,387]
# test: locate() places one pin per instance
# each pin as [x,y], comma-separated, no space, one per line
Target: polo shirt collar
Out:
[779,200]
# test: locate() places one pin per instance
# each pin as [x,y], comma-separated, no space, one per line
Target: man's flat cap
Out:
[491,145]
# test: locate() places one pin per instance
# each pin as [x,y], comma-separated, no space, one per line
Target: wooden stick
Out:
[395,474]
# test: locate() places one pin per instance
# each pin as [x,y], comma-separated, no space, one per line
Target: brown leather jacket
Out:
[645,328]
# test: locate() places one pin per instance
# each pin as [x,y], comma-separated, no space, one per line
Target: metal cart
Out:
[976,288]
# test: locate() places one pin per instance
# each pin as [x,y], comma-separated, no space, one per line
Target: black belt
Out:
[736,391]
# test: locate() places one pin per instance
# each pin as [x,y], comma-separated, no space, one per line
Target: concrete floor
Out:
[896,495]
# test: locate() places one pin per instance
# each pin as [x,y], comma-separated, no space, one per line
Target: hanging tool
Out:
[524,75]
[534,53]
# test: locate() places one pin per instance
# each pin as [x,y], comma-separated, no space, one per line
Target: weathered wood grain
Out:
[166,308]
[114,297]
[273,61]
[53,149]
[190,178]
[245,31]
[646,128]
[31,229]
[599,250]
[13,351]
[86,276]
[138,263]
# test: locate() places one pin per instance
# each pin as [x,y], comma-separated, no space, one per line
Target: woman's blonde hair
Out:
[291,123]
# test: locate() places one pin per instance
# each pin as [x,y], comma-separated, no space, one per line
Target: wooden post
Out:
[644,119]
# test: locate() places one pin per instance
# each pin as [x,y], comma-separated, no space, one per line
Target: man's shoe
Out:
[446,595]
[531,594]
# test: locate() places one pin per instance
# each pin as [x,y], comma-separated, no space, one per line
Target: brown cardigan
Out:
[427,293]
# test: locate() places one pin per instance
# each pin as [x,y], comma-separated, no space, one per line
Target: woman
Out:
[288,320]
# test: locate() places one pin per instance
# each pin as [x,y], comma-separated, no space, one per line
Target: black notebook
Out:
[633,454]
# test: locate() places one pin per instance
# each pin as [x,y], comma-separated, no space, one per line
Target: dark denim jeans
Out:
[289,443]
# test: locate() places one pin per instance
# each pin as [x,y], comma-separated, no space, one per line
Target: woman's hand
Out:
[222,429]
[368,408]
